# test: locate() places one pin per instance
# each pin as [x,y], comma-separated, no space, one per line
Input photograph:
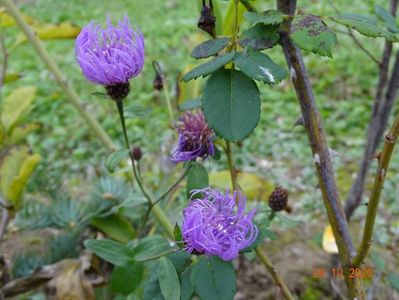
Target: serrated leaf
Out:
[125,279]
[134,110]
[197,178]
[16,105]
[365,25]
[231,104]
[269,17]
[213,279]
[210,66]
[259,66]
[309,32]
[116,253]
[115,158]
[115,226]
[209,48]
[387,18]
[260,37]
[394,280]
[168,280]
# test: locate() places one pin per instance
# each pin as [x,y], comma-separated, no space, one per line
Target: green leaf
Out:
[394,281]
[213,279]
[190,104]
[115,158]
[309,32]
[136,111]
[269,17]
[260,37]
[187,289]
[177,233]
[231,104]
[125,279]
[387,18]
[168,280]
[259,66]
[116,253]
[100,95]
[151,246]
[210,66]
[16,105]
[197,178]
[365,25]
[115,226]
[209,48]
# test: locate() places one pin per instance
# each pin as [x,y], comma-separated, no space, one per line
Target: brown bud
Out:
[158,83]
[278,199]
[207,20]
[136,153]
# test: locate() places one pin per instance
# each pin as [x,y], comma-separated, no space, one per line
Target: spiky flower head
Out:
[195,138]
[110,56]
[216,224]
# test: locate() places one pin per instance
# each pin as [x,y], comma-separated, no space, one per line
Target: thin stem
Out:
[72,97]
[233,172]
[276,277]
[148,258]
[119,105]
[5,59]
[372,207]
[235,33]
[5,217]
[166,193]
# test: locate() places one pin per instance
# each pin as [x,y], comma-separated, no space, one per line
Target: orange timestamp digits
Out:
[364,272]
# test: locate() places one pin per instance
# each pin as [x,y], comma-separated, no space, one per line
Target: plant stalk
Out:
[276,277]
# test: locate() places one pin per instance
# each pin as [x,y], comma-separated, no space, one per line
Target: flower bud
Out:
[137,153]
[118,92]
[278,199]
[207,20]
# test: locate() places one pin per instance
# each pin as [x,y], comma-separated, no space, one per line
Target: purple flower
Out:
[195,138]
[216,224]
[110,56]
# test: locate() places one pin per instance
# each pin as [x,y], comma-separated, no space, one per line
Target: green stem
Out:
[233,173]
[372,207]
[119,105]
[248,5]
[148,258]
[168,100]
[276,277]
[73,98]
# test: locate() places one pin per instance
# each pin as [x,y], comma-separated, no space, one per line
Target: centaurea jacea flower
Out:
[110,56]
[195,138]
[215,224]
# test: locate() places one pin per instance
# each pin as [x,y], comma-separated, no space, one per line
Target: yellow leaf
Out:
[254,187]
[16,168]
[329,244]
[19,133]
[188,90]
[63,30]
[7,21]
[16,105]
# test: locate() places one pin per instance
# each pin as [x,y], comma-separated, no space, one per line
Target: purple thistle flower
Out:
[195,138]
[216,225]
[110,56]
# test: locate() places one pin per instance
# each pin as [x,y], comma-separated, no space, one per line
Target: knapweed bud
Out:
[195,138]
[159,77]
[207,20]
[137,153]
[110,56]
[278,199]
[216,224]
